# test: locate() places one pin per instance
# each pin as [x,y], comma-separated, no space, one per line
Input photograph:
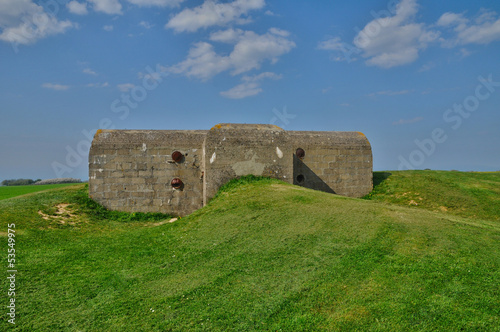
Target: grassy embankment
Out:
[263,255]
[467,194]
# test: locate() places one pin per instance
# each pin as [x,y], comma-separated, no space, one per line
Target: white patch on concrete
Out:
[248,167]
[213,158]
[100,170]
[144,147]
[279,152]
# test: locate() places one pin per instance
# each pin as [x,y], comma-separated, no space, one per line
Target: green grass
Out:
[13,191]
[262,256]
[466,194]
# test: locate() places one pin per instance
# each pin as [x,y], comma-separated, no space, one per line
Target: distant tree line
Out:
[25,182]
[59,180]
[18,182]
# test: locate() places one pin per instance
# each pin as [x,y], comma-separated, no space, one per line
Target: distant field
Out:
[13,191]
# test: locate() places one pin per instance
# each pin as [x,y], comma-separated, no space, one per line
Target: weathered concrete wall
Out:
[233,150]
[132,170]
[335,162]
[135,170]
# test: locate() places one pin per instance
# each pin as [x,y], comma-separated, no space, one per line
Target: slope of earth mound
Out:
[262,256]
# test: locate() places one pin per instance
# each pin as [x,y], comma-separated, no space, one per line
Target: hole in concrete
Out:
[177,156]
[176,183]
[300,178]
[300,153]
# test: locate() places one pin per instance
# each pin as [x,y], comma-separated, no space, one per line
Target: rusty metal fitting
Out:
[176,183]
[300,153]
[177,156]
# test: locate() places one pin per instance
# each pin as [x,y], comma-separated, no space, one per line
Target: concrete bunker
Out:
[179,171]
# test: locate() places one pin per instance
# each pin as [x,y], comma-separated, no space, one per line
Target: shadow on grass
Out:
[379,177]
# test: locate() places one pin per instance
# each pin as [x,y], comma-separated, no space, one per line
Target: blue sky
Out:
[420,78]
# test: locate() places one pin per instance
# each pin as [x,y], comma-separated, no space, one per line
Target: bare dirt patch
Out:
[63,214]
[163,222]
[44,216]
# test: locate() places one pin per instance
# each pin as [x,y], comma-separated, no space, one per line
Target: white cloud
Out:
[57,87]
[89,71]
[146,25]
[24,22]
[464,53]
[279,32]
[108,28]
[249,51]
[212,13]
[261,76]
[484,29]
[386,41]
[252,49]
[407,121]
[397,40]
[111,7]
[202,62]
[333,44]
[485,15]
[394,41]
[12,11]
[226,36]
[450,19]
[400,57]
[158,3]
[426,67]
[243,90]
[125,87]
[98,85]
[77,8]
[250,86]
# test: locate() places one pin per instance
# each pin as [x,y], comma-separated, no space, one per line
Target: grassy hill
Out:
[263,255]
[468,194]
